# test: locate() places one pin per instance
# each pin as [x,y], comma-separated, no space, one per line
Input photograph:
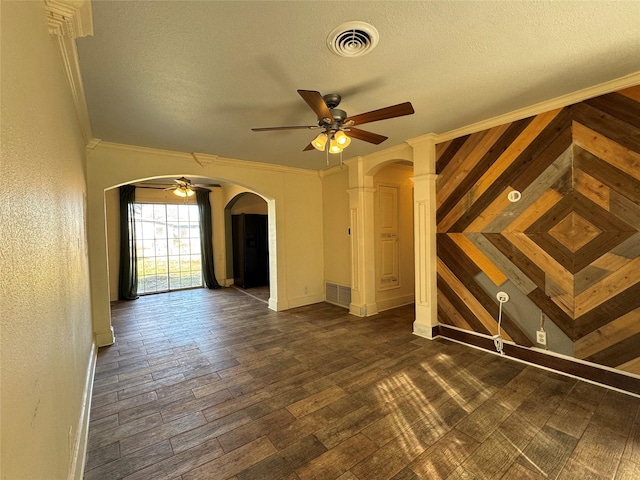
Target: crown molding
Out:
[206,160]
[536,109]
[68,20]
[426,139]
[401,151]
[331,171]
[144,150]
[203,161]
[546,106]
[271,167]
[93,143]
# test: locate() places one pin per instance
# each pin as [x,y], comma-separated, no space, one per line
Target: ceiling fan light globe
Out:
[183,192]
[342,139]
[320,142]
[334,147]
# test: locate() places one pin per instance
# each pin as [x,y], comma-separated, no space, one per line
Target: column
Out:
[425,235]
[363,294]
[363,271]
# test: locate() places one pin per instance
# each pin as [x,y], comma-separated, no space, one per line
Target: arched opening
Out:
[382,240]
[394,235]
[226,200]
[295,273]
[247,243]
[163,235]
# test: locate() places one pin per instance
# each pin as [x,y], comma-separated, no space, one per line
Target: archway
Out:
[221,192]
[394,235]
[366,255]
[248,205]
[421,153]
[296,277]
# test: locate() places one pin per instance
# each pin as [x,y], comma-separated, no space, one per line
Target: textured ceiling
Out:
[197,76]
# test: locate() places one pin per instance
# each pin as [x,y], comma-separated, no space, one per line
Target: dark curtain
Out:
[206,242]
[128,284]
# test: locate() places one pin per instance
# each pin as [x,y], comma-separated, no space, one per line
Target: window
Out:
[168,247]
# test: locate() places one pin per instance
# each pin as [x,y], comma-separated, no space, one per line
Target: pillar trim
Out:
[424,213]
[363,303]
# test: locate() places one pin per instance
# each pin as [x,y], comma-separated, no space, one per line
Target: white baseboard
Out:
[281,305]
[273,305]
[105,338]
[395,302]
[305,300]
[79,451]
[422,330]
[363,310]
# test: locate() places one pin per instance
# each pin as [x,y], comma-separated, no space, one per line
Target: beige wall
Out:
[294,198]
[303,241]
[45,318]
[335,210]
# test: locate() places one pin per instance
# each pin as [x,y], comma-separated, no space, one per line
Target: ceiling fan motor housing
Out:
[339,117]
[332,100]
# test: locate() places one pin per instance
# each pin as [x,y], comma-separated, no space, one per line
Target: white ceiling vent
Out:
[353,39]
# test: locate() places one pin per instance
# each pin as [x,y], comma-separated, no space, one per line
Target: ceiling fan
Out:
[184,187]
[337,128]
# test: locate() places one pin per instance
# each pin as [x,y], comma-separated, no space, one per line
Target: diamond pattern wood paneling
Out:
[571,244]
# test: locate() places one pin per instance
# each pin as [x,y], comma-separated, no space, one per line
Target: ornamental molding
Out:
[68,20]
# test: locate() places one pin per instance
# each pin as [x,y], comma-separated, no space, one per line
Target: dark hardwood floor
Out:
[210,384]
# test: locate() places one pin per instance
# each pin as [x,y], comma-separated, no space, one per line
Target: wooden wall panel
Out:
[571,245]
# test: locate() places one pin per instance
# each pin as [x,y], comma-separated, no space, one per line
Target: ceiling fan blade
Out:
[308,147]
[366,136]
[298,127]
[382,114]
[316,102]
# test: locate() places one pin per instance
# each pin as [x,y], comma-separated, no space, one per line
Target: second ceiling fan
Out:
[337,128]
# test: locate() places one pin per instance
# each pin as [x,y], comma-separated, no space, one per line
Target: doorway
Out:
[246,224]
[167,247]
[250,250]
[394,236]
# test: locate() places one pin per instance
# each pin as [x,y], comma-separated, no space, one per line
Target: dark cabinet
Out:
[250,250]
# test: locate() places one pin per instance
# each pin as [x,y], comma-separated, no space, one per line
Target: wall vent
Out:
[338,294]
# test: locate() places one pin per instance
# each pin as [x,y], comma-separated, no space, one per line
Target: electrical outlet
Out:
[541,337]
[502,297]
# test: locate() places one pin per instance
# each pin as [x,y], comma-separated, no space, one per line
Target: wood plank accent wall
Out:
[571,244]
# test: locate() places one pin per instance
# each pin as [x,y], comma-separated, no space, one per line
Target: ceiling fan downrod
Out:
[332,100]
